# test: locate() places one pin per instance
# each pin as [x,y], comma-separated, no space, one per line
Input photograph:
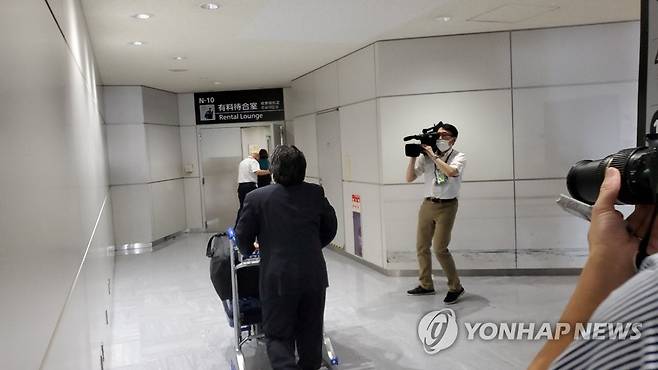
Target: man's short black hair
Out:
[451,129]
[288,165]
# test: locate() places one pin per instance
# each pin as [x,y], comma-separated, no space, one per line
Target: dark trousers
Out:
[291,320]
[243,189]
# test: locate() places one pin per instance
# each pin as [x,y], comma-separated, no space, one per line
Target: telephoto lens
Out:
[639,176]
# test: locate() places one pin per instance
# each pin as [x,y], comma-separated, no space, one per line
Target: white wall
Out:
[168,208]
[360,142]
[483,118]
[443,64]
[131,207]
[306,140]
[146,163]
[528,104]
[160,106]
[255,136]
[356,76]
[329,166]
[190,158]
[128,154]
[54,213]
[326,87]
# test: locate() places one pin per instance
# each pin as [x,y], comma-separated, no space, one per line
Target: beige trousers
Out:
[435,221]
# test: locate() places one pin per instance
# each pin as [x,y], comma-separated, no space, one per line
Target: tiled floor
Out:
[167,315]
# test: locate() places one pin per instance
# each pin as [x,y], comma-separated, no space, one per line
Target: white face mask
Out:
[443,145]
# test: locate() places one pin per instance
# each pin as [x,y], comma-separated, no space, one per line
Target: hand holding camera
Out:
[636,182]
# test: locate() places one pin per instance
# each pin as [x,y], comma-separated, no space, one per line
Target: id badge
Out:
[440,178]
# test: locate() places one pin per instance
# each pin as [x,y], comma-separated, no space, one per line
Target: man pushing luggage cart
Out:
[292,221]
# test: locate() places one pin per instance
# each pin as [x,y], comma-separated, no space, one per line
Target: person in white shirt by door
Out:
[248,173]
[442,174]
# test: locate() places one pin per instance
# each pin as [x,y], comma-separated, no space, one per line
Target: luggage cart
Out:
[243,309]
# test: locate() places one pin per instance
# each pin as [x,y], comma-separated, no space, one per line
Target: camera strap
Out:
[644,243]
[440,177]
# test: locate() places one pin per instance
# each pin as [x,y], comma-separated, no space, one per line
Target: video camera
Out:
[427,137]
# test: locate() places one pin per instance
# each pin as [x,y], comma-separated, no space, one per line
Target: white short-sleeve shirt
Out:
[448,189]
[247,170]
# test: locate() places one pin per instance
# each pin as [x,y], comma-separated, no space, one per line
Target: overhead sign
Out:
[239,106]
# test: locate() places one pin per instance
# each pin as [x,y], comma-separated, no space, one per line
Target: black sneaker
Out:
[452,297]
[419,290]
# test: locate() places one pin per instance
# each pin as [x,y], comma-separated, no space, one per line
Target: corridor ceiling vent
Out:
[513,13]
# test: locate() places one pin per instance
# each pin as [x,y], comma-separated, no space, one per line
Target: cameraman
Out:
[442,173]
[610,290]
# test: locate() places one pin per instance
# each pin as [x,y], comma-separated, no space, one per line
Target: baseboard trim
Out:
[141,248]
[358,259]
[462,272]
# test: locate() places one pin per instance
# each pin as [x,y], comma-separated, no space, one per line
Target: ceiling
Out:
[267,43]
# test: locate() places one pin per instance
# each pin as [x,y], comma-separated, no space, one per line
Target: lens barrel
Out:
[639,176]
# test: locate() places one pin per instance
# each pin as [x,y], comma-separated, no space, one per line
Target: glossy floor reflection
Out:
[167,315]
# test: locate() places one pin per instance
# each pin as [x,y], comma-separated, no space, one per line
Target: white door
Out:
[221,153]
[329,166]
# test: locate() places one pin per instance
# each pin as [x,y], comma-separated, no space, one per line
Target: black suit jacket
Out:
[292,225]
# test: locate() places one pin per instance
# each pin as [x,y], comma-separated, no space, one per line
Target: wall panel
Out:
[360,142]
[127,154]
[329,166]
[326,87]
[555,127]
[168,208]
[193,208]
[443,64]
[164,152]
[306,140]
[576,55]
[189,147]
[484,121]
[123,104]
[160,106]
[483,234]
[131,214]
[303,94]
[356,76]
[547,236]
[186,114]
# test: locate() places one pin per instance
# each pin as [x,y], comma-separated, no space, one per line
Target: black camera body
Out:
[429,136]
[639,176]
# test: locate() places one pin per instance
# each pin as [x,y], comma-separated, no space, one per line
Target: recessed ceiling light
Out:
[137,43]
[209,6]
[443,18]
[179,58]
[142,16]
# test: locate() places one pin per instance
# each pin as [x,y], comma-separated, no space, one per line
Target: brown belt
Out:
[438,200]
